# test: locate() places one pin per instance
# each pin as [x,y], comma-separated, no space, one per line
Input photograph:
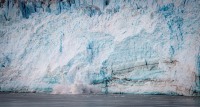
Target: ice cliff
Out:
[100,46]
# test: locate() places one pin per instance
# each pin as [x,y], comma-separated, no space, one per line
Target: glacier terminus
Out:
[100,46]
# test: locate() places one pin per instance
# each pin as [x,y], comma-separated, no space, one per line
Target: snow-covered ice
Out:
[100,46]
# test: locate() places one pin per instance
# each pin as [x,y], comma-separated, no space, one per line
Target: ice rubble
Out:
[100,46]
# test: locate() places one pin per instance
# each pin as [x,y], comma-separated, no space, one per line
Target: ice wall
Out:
[100,46]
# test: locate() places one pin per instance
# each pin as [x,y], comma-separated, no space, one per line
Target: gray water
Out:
[48,100]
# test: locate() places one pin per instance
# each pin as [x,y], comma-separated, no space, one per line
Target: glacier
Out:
[100,46]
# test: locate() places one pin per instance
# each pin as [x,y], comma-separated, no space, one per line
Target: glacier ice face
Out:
[95,46]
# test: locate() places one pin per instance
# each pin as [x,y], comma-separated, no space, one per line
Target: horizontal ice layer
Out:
[143,47]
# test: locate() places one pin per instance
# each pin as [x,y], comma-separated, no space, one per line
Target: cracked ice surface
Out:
[141,47]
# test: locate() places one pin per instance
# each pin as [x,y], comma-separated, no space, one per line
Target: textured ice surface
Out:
[94,46]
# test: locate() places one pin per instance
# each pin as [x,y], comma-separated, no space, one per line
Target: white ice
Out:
[131,46]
